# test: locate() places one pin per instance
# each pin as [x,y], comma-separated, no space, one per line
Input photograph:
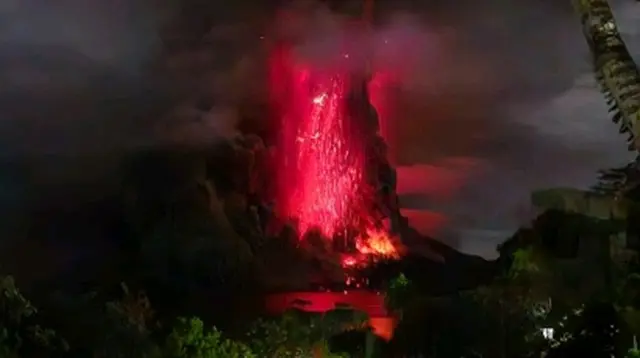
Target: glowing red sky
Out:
[437,182]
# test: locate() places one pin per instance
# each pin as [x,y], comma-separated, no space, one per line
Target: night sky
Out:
[497,97]
[551,129]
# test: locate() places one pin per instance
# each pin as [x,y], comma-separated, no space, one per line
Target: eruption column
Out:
[321,165]
[322,180]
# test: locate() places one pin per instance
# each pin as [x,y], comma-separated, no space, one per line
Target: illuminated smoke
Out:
[379,88]
[322,163]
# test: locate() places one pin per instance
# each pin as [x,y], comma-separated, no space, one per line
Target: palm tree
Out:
[619,80]
[615,70]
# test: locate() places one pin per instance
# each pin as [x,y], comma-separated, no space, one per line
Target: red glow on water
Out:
[381,320]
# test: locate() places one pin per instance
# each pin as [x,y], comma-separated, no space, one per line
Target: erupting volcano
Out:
[324,183]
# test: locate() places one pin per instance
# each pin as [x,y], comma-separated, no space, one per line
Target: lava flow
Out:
[322,157]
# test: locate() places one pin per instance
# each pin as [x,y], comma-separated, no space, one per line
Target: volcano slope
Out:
[225,187]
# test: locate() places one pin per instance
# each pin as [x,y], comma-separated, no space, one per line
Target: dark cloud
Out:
[528,116]
[74,74]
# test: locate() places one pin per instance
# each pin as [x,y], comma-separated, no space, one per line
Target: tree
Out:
[622,180]
[19,333]
[519,301]
[614,68]
[619,79]
[398,293]
[302,334]
[189,339]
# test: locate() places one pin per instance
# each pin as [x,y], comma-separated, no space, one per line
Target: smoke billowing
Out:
[490,100]
[501,102]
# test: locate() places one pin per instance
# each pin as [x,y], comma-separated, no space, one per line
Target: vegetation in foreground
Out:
[552,299]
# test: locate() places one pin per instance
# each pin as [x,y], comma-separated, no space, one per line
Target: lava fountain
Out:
[322,156]
[321,168]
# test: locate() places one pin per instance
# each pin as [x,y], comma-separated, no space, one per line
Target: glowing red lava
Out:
[322,169]
[377,242]
[322,157]
[329,172]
